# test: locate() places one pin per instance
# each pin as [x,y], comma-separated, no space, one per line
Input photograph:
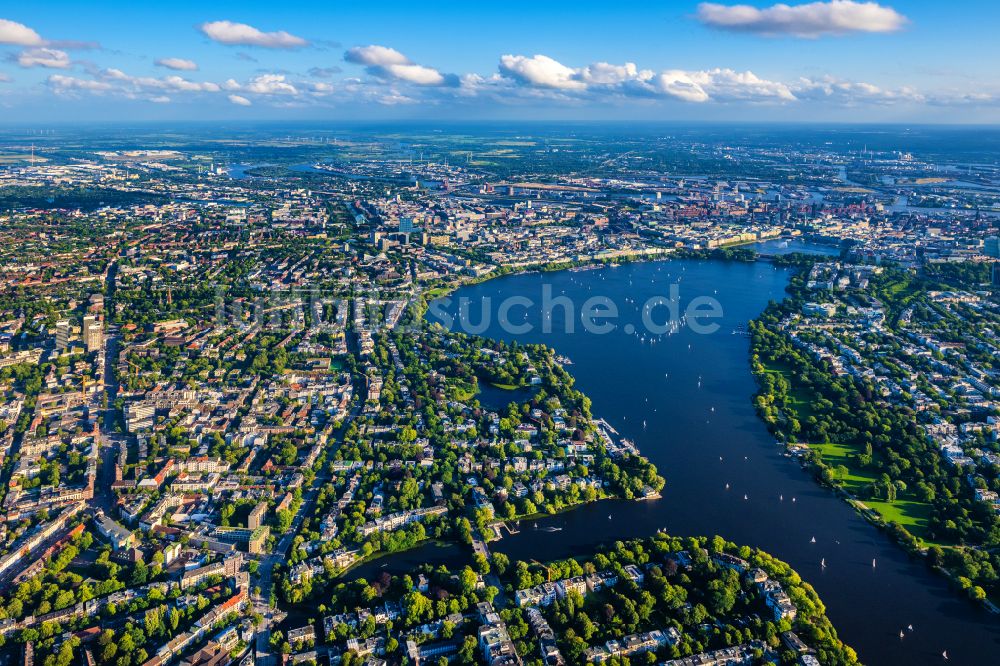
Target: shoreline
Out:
[540,537]
[802,451]
[664,254]
[870,516]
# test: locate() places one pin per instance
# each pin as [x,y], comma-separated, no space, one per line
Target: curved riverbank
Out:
[686,401]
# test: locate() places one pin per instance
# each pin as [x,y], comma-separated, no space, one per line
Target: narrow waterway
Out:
[686,402]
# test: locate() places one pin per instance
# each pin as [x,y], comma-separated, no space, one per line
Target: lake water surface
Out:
[686,402]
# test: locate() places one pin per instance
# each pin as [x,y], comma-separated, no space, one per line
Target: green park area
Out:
[847,472]
[906,509]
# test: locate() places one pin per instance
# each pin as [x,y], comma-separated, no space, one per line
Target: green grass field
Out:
[461,391]
[798,398]
[505,387]
[896,296]
[907,510]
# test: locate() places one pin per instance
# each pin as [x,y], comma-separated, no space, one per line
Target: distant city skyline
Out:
[837,60]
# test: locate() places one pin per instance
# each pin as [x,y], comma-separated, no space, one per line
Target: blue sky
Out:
[839,60]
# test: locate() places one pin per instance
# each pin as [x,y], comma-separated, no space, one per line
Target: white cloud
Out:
[42,57]
[850,93]
[179,64]
[116,74]
[321,88]
[602,78]
[606,74]
[952,98]
[4,78]
[679,85]
[175,82]
[388,63]
[395,99]
[518,80]
[541,71]
[271,84]
[228,32]
[730,85]
[815,19]
[66,83]
[172,83]
[375,56]
[263,84]
[418,74]
[18,34]
[117,82]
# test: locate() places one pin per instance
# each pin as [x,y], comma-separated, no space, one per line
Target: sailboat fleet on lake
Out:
[742,329]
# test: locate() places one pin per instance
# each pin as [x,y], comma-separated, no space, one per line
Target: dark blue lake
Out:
[686,401]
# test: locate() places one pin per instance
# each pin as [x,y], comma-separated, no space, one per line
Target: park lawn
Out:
[436,292]
[505,387]
[461,391]
[907,510]
[799,401]
[892,291]
[798,397]
[897,296]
